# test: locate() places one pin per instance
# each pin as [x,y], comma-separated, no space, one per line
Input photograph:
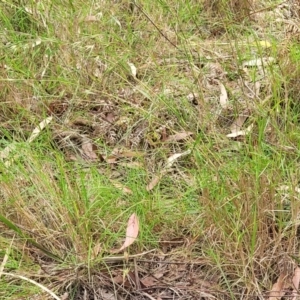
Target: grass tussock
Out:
[183,113]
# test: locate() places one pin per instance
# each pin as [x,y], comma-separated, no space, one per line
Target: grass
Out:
[221,222]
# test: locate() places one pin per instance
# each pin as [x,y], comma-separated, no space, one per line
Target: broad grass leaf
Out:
[16,229]
[132,232]
[11,225]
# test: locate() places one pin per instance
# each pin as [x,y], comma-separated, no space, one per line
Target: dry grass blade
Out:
[33,282]
[4,261]
[149,296]
[113,259]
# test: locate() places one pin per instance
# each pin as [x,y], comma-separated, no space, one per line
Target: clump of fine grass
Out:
[231,204]
[227,16]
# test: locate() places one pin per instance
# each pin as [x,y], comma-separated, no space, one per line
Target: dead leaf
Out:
[240,132]
[238,123]
[111,159]
[65,296]
[122,153]
[132,232]
[132,69]
[148,281]
[119,279]
[106,295]
[223,96]
[174,157]
[96,250]
[131,165]
[170,162]
[38,129]
[88,149]
[258,62]
[127,153]
[6,151]
[263,44]
[154,181]
[179,136]
[296,281]
[92,18]
[121,187]
[277,290]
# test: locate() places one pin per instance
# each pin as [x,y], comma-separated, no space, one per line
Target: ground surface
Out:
[170,125]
